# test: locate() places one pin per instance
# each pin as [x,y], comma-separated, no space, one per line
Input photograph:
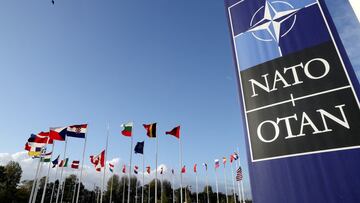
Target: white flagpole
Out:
[173,186]
[207,185]
[52,191]
[82,166]
[233,180]
[162,190]
[156,163]
[111,189]
[143,183]
[131,146]
[61,173]
[34,181]
[63,190]
[217,187]
[149,194]
[186,195]
[37,183]
[48,173]
[226,193]
[123,196]
[242,188]
[136,191]
[106,150]
[74,193]
[197,189]
[180,160]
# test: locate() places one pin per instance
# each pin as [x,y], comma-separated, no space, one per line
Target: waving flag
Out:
[42,137]
[35,152]
[224,161]
[217,164]
[172,171]
[136,169]
[139,148]
[239,175]
[161,170]
[183,169]
[124,168]
[55,161]
[236,156]
[127,131]
[195,168]
[205,165]
[148,169]
[78,131]
[150,130]
[64,162]
[46,157]
[58,133]
[75,164]
[175,132]
[98,161]
[111,167]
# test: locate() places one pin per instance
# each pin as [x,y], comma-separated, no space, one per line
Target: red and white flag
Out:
[183,170]
[98,161]
[75,164]
[124,168]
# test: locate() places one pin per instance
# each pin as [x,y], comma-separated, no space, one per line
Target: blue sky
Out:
[160,61]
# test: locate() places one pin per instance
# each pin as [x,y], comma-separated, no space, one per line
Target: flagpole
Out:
[197,189]
[82,166]
[233,179]
[156,163]
[106,150]
[180,157]
[52,191]
[48,173]
[62,171]
[143,183]
[149,194]
[238,184]
[131,144]
[111,190]
[63,190]
[226,193]
[34,181]
[207,185]
[37,183]
[242,186]
[123,196]
[162,190]
[136,193]
[74,193]
[217,187]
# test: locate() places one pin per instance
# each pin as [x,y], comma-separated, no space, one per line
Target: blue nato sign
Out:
[300,101]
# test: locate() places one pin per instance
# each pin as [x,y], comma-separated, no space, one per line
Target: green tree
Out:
[10,176]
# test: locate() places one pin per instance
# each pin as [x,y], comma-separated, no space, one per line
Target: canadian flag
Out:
[98,160]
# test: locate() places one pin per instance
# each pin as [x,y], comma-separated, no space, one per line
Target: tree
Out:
[10,176]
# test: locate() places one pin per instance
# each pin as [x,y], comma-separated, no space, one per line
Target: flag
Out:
[27,147]
[42,137]
[46,157]
[195,168]
[124,169]
[127,131]
[111,167]
[58,133]
[217,164]
[235,156]
[150,130]
[75,164]
[139,148]
[136,169]
[183,169]
[175,132]
[64,162]
[78,131]
[148,169]
[172,171]
[161,170]
[224,161]
[55,161]
[231,158]
[36,151]
[205,165]
[98,161]
[239,175]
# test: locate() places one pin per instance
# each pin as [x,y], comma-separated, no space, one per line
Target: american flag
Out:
[239,175]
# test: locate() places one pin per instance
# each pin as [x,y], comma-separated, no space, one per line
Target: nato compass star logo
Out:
[268,29]
[272,20]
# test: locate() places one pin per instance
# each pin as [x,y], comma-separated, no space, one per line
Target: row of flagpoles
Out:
[37,144]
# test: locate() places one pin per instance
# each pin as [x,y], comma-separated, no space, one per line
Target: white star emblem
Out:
[272,20]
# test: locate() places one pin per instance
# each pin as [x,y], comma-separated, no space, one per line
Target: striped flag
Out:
[224,161]
[111,167]
[55,161]
[64,162]
[150,130]
[239,175]
[46,157]
[75,164]
[217,164]
[127,131]
[148,169]
[136,168]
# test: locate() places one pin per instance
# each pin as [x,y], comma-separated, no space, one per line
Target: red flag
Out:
[183,170]
[224,161]
[195,168]
[148,169]
[150,130]
[175,132]
[124,169]
[231,158]
[75,164]
[98,161]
